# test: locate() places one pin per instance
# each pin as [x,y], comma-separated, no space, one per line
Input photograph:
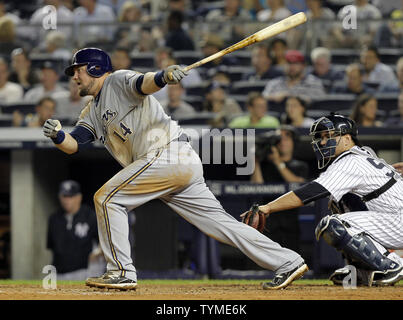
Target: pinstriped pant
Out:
[174,174]
[384,228]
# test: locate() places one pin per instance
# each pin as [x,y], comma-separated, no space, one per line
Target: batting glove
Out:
[51,128]
[174,74]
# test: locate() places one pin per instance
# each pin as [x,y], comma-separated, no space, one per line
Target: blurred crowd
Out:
[268,84]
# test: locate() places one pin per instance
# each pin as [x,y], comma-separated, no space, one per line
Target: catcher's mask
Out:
[333,126]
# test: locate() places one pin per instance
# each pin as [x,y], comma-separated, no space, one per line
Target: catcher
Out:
[365,233]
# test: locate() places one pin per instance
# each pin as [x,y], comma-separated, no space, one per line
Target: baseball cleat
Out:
[282,280]
[112,280]
[389,277]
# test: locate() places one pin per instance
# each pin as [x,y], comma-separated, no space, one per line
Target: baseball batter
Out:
[362,235]
[158,162]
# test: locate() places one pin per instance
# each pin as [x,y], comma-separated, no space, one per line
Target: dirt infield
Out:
[189,291]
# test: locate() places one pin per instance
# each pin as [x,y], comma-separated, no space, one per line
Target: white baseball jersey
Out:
[360,171]
[128,123]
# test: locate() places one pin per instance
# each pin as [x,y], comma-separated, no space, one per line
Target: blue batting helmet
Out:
[98,62]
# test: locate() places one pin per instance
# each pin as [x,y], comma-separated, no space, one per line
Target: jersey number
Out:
[379,165]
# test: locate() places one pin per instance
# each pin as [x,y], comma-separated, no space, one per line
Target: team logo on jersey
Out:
[108,116]
[81,229]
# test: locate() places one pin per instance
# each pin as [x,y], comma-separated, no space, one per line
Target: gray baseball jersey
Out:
[128,123]
[137,132]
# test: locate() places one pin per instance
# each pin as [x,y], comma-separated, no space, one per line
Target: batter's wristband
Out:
[59,137]
[159,79]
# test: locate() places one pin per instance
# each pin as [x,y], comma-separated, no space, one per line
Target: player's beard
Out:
[85,91]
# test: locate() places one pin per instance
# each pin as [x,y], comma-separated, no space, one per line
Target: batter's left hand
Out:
[174,74]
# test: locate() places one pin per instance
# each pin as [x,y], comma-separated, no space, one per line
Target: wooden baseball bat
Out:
[268,32]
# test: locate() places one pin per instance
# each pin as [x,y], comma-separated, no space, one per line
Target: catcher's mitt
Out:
[254,218]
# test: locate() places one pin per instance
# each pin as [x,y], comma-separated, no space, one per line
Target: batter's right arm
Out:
[153,81]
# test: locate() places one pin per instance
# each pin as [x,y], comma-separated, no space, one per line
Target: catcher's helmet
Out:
[98,62]
[334,125]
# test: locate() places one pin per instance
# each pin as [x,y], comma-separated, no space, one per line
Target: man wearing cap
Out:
[49,84]
[295,81]
[72,234]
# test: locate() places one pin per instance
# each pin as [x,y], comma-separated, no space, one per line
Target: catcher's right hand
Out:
[51,128]
[254,218]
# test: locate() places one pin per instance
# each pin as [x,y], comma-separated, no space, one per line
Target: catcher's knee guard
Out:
[359,249]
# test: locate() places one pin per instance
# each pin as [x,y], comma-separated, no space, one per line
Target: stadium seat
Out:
[316,114]
[143,59]
[334,102]
[195,101]
[6,120]
[344,56]
[240,98]
[387,101]
[243,57]
[24,108]
[235,73]
[197,90]
[187,57]
[390,55]
[244,87]
[202,118]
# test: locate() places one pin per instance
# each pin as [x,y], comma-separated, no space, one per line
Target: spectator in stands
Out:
[257,116]
[275,163]
[376,72]
[387,7]
[396,120]
[224,22]
[63,16]
[218,102]
[91,11]
[120,58]
[4,13]
[278,47]
[322,19]
[211,44]
[72,234]
[322,67]
[115,5]
[21,70]
[262,63]
[8,39]
[395,86]
[54,46]
[295,81]
[354,83]
[10,92]
[276,11]
[390,34]
[295,113]
[69,103]
[44,110]
[129,32]
[49,84]
[177,38]
[364,112]
[175,106]
[365,29]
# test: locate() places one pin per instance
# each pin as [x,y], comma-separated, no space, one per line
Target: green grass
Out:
[179,282]
[169,282]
